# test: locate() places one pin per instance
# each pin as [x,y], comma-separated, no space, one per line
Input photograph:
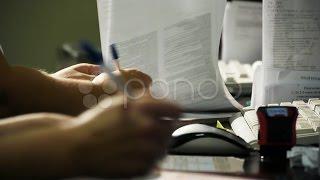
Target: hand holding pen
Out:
[126,81]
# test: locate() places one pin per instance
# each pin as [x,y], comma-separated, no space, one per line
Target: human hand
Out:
[115,142]
[136,80]
[81,71]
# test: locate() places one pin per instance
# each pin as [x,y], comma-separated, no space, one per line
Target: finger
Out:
[130,74]
[84,77]
[140,75]
[90,69]
[157,108]
[95,69]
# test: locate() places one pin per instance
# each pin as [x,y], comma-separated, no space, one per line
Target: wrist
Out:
[76,138]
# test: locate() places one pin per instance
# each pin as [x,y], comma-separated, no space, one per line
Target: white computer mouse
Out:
[199,139]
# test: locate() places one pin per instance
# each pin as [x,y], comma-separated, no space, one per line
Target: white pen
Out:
[119,80]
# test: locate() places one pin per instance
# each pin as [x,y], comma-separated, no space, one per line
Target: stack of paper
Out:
[175,42]
[242,32]
[291,56]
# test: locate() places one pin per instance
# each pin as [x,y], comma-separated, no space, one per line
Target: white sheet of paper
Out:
[240,128]
[291,31]
[257,96]
[242,32]
[308,156]
[292,34]
[175,42]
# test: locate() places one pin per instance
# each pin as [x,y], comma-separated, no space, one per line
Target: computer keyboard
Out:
[238,77]
[307,126]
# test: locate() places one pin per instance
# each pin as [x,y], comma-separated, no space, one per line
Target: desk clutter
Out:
[305,157]
[308,122]
[183,44]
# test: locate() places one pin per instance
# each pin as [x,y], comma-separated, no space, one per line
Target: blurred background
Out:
[32,31]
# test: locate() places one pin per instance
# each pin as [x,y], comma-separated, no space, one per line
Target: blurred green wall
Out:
[32,30]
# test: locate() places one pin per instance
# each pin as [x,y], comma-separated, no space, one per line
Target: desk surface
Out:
[229,167]
[166,175]
[225,168]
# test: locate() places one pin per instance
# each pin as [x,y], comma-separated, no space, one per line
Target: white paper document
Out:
[307,157]
[292,34]
[291,50]
[242,32]
[175,42]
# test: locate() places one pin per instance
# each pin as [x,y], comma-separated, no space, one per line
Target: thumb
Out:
[95,70]
[90,69]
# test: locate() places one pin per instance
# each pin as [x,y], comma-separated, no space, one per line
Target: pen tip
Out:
[114,51]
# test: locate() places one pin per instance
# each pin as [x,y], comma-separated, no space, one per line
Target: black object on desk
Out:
[277,133]
[199,139]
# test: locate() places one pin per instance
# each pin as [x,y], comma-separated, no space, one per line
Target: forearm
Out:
[72,95]
[30,122]
[42,153]
[29,90]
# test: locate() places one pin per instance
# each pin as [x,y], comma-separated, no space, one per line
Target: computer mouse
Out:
[199,139]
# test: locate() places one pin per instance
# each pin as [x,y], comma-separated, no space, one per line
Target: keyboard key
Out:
[239,70]
[286,104]
[306,112]
[249,70]
[227,75]
[299,103]
[303,126]
[255,65]
[312,99]
[255,130]
[315,122]
[317,110]
[230,70]
[313,103]
[237,77]
[251,118]
[308,121]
